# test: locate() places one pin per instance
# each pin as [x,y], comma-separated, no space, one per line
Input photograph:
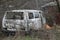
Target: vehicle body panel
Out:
[27,23]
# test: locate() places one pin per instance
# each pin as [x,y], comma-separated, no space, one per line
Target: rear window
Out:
[30,15]
[15,15]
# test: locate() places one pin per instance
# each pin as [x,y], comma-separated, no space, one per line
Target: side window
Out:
[19,16]
[30,15]
[15,15]
[36,15]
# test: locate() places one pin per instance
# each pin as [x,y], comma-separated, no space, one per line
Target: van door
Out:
[34,20]
[31,20]
[38,20]
[18,20]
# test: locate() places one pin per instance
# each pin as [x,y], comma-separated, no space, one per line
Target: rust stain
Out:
[48,27]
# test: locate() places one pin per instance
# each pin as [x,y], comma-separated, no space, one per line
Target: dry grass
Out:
[21,38]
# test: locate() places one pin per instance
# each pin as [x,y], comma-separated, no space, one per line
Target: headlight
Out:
[8,25]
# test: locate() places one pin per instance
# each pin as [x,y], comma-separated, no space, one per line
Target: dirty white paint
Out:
[34,23]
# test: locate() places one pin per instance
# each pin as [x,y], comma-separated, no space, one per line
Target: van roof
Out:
[25,10]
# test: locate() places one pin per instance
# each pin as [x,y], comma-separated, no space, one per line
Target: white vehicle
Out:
[23,20]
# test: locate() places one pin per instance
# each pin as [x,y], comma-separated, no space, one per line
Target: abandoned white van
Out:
[15,20]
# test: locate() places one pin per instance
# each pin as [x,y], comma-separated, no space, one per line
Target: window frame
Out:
[14,14]
[32,13]
[36,13]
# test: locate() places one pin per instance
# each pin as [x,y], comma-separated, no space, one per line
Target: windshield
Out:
[14,15]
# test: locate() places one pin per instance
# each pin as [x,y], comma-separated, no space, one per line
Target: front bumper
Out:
[6,30]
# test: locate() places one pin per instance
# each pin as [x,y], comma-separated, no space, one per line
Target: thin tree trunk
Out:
[58,5]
